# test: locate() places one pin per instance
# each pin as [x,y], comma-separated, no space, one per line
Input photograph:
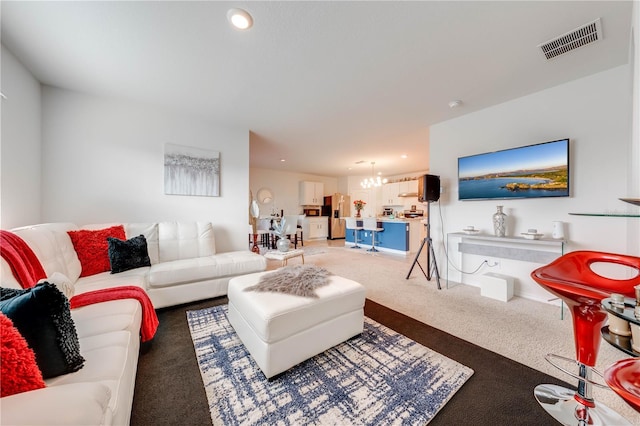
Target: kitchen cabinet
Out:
[408,187]
[311,193]
[390,193]
[315,228]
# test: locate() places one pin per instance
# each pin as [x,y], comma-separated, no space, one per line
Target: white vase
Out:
[499,223]
[558,230]
[283,244]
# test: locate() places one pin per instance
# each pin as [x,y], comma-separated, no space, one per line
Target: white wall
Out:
[595,112]
[20,176]
[284,186]
[634,151]
[103,162]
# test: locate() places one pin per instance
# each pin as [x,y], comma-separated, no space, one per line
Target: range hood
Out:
[408,194]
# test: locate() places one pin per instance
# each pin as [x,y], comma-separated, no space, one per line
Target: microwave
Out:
[312,212]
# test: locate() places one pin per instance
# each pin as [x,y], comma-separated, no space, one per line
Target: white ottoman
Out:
[280,330]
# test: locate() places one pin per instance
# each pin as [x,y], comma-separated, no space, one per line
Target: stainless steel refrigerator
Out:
[337,207]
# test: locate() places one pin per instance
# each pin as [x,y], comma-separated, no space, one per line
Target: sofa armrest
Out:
[72,404]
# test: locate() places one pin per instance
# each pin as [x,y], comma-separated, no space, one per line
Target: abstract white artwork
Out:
[191,171]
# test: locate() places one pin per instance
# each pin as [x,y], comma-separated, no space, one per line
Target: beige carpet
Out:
[521,329]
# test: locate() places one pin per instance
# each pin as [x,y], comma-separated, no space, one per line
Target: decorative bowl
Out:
[532,236]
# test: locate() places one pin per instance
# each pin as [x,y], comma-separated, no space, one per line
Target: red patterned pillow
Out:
[93,249]
[19,371]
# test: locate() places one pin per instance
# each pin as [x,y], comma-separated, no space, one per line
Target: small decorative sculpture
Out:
[280,229]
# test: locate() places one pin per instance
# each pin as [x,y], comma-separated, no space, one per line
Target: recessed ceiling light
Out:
[240,19]
[455,104]
[403,156]
[282,160]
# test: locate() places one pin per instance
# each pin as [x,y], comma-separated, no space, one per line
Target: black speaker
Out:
[428,188]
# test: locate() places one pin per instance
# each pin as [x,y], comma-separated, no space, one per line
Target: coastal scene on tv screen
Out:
[533,171]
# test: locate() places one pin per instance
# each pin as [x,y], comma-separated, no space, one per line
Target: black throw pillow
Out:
[8,293]
[129,254]
[43,317]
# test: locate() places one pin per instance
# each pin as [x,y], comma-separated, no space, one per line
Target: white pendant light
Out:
[374,181]
[240,19]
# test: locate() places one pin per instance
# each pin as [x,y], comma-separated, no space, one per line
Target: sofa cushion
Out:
[75,404]
[6,276]
[149,230]
[137,277]
[178,272]
[42,316]
[18,367]
[105,361]
[111,361]
[105,317]
[53,247]
[129,254]
[92,248]
[185,240]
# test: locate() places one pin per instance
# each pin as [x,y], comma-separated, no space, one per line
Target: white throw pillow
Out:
[63,284]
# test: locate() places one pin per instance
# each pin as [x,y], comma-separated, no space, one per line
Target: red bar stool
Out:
[571,278]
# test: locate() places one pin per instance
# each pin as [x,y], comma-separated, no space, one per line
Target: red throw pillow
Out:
[19,371]
[93,249]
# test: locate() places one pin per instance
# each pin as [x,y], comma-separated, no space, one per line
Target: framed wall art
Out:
[191,171]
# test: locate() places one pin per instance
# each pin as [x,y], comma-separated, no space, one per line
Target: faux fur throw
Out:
[297,280]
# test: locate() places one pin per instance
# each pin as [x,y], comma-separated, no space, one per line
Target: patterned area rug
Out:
[379,377]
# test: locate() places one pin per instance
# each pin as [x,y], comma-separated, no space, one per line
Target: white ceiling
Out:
[321,84]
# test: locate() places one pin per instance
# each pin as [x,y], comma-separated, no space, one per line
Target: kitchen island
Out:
[400,236]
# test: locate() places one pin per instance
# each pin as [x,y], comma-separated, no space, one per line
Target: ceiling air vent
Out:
[586,34]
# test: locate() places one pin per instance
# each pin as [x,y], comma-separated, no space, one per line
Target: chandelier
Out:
[374,181]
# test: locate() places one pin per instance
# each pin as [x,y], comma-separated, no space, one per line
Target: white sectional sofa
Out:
[185,267]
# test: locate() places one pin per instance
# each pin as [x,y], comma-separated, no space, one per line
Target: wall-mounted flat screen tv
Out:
[531,171]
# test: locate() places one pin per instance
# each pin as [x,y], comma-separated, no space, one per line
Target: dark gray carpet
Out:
[169,389]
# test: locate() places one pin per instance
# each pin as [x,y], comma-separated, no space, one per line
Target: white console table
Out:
[542,251]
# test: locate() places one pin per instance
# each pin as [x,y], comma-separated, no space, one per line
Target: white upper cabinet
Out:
[390,193]
[408,187]
[311,193]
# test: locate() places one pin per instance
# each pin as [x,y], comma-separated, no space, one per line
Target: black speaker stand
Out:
[432,265]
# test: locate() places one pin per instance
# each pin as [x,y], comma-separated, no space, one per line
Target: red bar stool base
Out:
[560,403]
